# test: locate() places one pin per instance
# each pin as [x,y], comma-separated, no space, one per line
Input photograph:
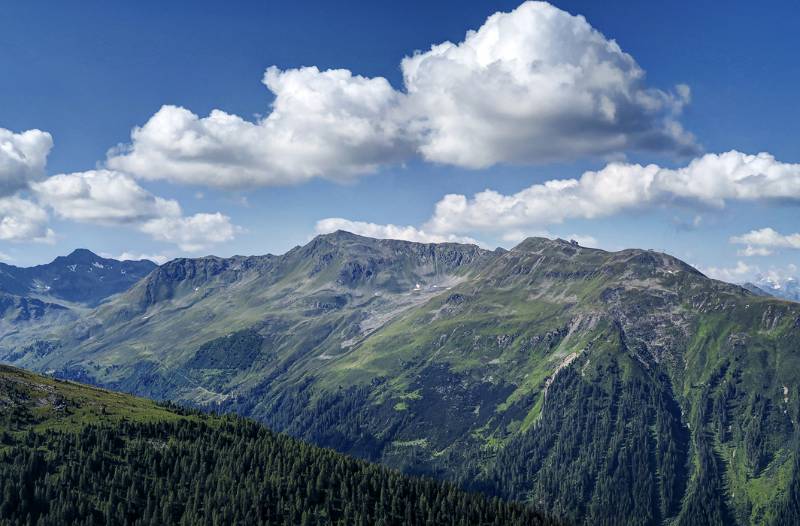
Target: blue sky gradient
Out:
[88,75]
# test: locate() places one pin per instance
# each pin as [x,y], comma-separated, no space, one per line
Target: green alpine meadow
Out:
[598,387]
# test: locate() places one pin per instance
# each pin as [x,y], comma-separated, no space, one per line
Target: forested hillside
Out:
[72,454]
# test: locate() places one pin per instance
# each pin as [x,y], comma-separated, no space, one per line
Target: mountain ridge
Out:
[98,277]
[785,288]
[455,361]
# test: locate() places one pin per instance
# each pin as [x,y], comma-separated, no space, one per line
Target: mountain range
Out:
[603,387]
[82,277]
[786,288]
[34,300]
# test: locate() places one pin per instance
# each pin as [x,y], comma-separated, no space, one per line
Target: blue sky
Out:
[87,76]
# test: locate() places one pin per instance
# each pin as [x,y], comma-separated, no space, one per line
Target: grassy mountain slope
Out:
[620,387]
[305,306]
[73,454]
[31,402]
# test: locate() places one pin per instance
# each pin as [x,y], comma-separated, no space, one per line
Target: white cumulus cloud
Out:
[23,220]
[102,196]
[109,197]
[766,238]
[770,278]
[735,274]
[23,157]
[405,233]
[533,85]
[710,180]
[537,84]
[750,251]
[329,124]
[192,233]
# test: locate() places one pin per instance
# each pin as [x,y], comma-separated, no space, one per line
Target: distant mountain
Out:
[755,289]
[81,277]
[73,454]
[605,387]
[36,302]
[788,288]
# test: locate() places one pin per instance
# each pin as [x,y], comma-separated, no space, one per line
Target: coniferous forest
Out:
[144,464]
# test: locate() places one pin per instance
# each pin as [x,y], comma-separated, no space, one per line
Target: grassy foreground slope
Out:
[73,454]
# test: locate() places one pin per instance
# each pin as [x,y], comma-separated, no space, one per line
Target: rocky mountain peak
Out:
[81,276]
[542,244]
[81,255]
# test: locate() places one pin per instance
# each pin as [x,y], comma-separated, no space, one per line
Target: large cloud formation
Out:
[323,124]
[533,85]
[23,220]
[774,277]
[711,180]
[102,196]
[537,84]
[105,197]
[192,233]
